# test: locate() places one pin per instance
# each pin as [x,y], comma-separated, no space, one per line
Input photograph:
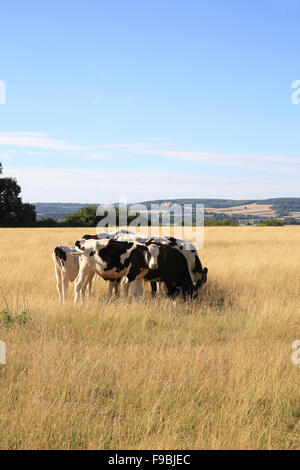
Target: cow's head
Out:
[152,254]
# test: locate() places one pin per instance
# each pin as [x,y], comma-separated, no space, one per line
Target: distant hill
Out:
[257,208]
[241,209]
[216,203]
[57,210]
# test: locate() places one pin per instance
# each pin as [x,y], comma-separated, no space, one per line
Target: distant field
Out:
[216,374]
[260,210]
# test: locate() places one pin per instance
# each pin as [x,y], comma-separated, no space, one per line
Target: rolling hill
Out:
[240,209]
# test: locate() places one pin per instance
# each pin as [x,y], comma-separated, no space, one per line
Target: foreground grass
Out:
[213,375]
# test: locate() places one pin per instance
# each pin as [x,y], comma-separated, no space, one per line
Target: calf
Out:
[66,270]
[112,260]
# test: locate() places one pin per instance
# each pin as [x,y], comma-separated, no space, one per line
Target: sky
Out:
[141,100]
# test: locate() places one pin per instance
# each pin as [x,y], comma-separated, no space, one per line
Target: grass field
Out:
[260,210]
[216,374]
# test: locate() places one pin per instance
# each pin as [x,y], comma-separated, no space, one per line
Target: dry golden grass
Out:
[214,375]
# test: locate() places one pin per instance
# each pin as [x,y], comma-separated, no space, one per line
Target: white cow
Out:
[66,270]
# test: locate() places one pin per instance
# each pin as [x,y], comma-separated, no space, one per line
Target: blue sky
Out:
[148,100]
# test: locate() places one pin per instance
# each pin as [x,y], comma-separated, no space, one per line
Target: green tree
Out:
[86,217]
[46,222]
[271,223]
[13,212]
[211,221]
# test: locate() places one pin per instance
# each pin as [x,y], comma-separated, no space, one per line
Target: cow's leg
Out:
[87,285]
[139,286]
[153,288]
[65,285]
[79,281]
[58,282]
[117,287]
[134,288]
[126,287]
[110,288]
[164,289]
[172,291]
[90,282]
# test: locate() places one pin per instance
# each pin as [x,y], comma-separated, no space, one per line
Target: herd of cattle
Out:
[167,262]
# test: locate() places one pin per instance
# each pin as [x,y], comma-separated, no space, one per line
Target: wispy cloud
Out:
[6,156]
[36,140]
[46,141]
[224,159]
[45,144]
[256,175]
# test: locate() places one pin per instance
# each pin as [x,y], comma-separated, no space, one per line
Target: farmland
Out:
[213,374]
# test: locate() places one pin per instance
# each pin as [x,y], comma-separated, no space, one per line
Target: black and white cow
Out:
[112,260]
[170,266]
[198,274]
[66,270]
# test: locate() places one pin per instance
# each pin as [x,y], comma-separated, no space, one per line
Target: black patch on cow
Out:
[90,237]
[92,253]
[61,254]
[137,261]
[77,243]
[172,241]
[111,254]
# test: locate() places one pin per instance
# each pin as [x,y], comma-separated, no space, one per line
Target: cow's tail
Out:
[55,257]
